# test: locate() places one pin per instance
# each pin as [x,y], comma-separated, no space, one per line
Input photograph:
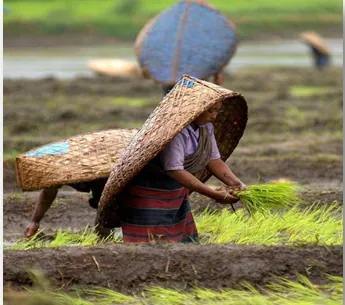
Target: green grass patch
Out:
[16,196]
[10,155]
[124,18]
[282,292]
[81,9]
[129,102]
[306,91]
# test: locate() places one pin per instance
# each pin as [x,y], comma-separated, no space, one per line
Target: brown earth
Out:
[54,109]
[293,136]
[129,268]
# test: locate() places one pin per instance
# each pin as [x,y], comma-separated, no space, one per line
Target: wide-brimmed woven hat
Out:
[114,67]
[191,37]
[77,159]
[189,98]
[314,40]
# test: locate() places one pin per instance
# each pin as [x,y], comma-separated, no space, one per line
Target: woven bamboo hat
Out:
[314,40]
[114,67]
[182,105]
[191,37]
[77,159]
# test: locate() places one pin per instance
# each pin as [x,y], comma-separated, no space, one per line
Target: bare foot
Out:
[31,229]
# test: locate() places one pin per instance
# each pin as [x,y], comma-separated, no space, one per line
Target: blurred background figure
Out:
[320,51]
[5,10]
[191,37]
[114,67]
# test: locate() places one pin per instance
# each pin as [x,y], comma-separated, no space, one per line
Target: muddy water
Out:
[69,62]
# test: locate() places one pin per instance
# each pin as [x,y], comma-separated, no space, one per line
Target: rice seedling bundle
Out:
[270,196]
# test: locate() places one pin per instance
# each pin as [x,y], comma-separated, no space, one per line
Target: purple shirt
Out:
[183,145]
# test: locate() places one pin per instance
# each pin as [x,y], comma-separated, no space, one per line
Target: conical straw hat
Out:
[77,159]
[114,67]
[191,37]
[313,39]
[182,105]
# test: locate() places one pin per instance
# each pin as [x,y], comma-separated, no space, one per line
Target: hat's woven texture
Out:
[182,105]
[313,39]
[191,37]
[81,158]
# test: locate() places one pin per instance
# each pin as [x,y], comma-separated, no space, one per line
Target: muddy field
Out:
[294,131]
[129,268]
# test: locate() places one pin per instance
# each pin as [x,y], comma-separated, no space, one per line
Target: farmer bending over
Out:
[154,205]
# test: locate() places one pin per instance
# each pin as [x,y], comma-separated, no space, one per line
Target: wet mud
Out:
[130,268]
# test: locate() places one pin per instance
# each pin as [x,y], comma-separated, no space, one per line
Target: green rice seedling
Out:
[36,241]
[282,292]
[305,292]
[70,300]
[105,296]
[163,296]
[62,238]
[318,226]
[315,226]
[269,196]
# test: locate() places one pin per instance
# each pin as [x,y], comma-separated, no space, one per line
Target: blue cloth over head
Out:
[188,38]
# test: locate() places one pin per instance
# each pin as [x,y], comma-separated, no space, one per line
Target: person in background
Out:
[319,49]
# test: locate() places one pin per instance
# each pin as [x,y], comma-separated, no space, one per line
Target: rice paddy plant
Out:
[318,226]
[62,238]
[105,296]
[282,292]
[161,296]
[269,196]
[70,300]
[35,241]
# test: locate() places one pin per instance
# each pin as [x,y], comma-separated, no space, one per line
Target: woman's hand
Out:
[239,187]
[31,229]
[225,198]
[243,187]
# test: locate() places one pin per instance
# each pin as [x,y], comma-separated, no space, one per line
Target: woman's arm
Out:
[219,78]
[44,201]
[189,181]
[222,171]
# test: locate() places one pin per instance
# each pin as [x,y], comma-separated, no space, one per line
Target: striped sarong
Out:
[155,207]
